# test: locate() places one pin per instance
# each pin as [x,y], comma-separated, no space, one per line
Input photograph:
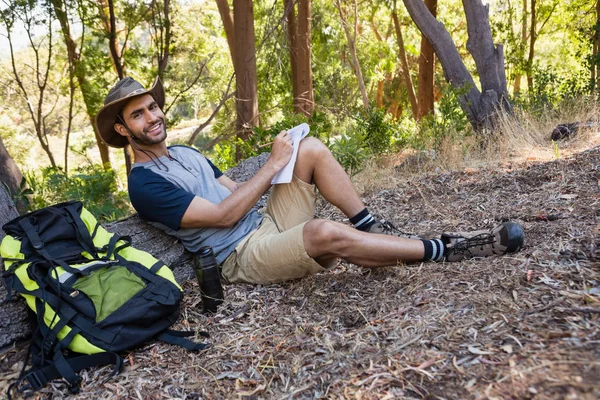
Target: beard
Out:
[144,138]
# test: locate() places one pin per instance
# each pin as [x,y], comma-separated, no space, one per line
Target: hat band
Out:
[136,91]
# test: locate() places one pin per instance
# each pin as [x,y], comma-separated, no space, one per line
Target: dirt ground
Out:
[521,326]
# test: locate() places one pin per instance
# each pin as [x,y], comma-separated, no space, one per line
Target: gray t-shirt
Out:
[161,190]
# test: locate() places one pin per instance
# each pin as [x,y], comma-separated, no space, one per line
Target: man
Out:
[180,191]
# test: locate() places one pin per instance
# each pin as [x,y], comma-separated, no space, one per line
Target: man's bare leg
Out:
[315,164]
[325,240]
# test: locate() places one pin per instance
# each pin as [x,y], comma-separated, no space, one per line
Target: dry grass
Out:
[521,326]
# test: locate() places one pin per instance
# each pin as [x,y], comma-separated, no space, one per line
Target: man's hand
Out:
[282,149]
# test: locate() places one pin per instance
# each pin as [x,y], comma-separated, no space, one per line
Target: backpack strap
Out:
[83,235]
[38,245]
[38,378]
[179,338]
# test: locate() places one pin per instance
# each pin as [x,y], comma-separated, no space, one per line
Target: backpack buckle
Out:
[36,380]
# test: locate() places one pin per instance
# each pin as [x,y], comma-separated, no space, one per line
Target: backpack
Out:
[91,293]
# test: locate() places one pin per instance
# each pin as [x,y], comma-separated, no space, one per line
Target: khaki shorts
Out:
[275,252]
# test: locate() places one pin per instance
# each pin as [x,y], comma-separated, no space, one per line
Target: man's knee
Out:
[323,238]
[313,148]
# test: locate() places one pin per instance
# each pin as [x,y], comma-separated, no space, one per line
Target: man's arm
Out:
[201,213]
[229,184]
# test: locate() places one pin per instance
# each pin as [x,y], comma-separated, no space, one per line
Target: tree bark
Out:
[164,42]
[596,50]
[305,100]
[489,58]
[227,19]
[13,314]
[426,70]
[521,49]
[292,30]
[351,37]
[532,39]
[414,106]
[10,175]
[246,81]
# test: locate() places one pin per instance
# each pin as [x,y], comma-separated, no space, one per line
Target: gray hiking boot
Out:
[384,227]
[505,238]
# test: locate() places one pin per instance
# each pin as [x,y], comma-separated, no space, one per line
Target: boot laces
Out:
[480,240]
[389,228]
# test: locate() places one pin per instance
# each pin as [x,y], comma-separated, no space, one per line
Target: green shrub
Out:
[375,130]
[92,185]
[350,152]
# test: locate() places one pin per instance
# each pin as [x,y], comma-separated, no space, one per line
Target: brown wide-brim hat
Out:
[118,96]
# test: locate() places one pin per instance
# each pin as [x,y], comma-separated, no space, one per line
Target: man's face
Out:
[145,120]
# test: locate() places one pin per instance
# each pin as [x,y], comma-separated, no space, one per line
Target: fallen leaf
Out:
[568,196]
[507,348]
[475,350]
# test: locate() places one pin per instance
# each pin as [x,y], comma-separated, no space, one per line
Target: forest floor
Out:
[524,325]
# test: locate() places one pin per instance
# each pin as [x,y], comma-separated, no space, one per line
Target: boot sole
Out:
[514,236]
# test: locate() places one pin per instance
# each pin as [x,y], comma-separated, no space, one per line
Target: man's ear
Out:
[121,129]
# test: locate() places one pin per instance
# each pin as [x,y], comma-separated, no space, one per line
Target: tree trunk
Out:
[532,38]
[164,42]
[246,81]
[10,175]
[479,108]
[351,37]
[426,70]
[227,19]
[596,50]
[292,29]
[305,82]
[489,58]
[521,49]
[414,106]
[13,314]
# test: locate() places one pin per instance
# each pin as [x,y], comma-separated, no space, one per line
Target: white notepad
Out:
[285,174]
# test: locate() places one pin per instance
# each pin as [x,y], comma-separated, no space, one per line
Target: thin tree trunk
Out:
[521,50]
[304,70]
[293,46]
[227,19]
[381,82]
[405,69]
[596,52]
[110,26]
[246,81]
[426,69]
[163,29]
[532,38]
[351,37]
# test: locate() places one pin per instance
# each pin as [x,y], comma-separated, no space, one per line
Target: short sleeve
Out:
[156,199]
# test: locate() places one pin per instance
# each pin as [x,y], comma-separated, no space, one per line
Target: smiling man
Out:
[180,191]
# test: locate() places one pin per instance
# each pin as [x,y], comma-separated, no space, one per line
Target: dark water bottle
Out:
[209,279]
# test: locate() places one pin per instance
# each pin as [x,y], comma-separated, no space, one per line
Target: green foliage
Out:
[448,123]
[92,185]
[350,152]
[375,130]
